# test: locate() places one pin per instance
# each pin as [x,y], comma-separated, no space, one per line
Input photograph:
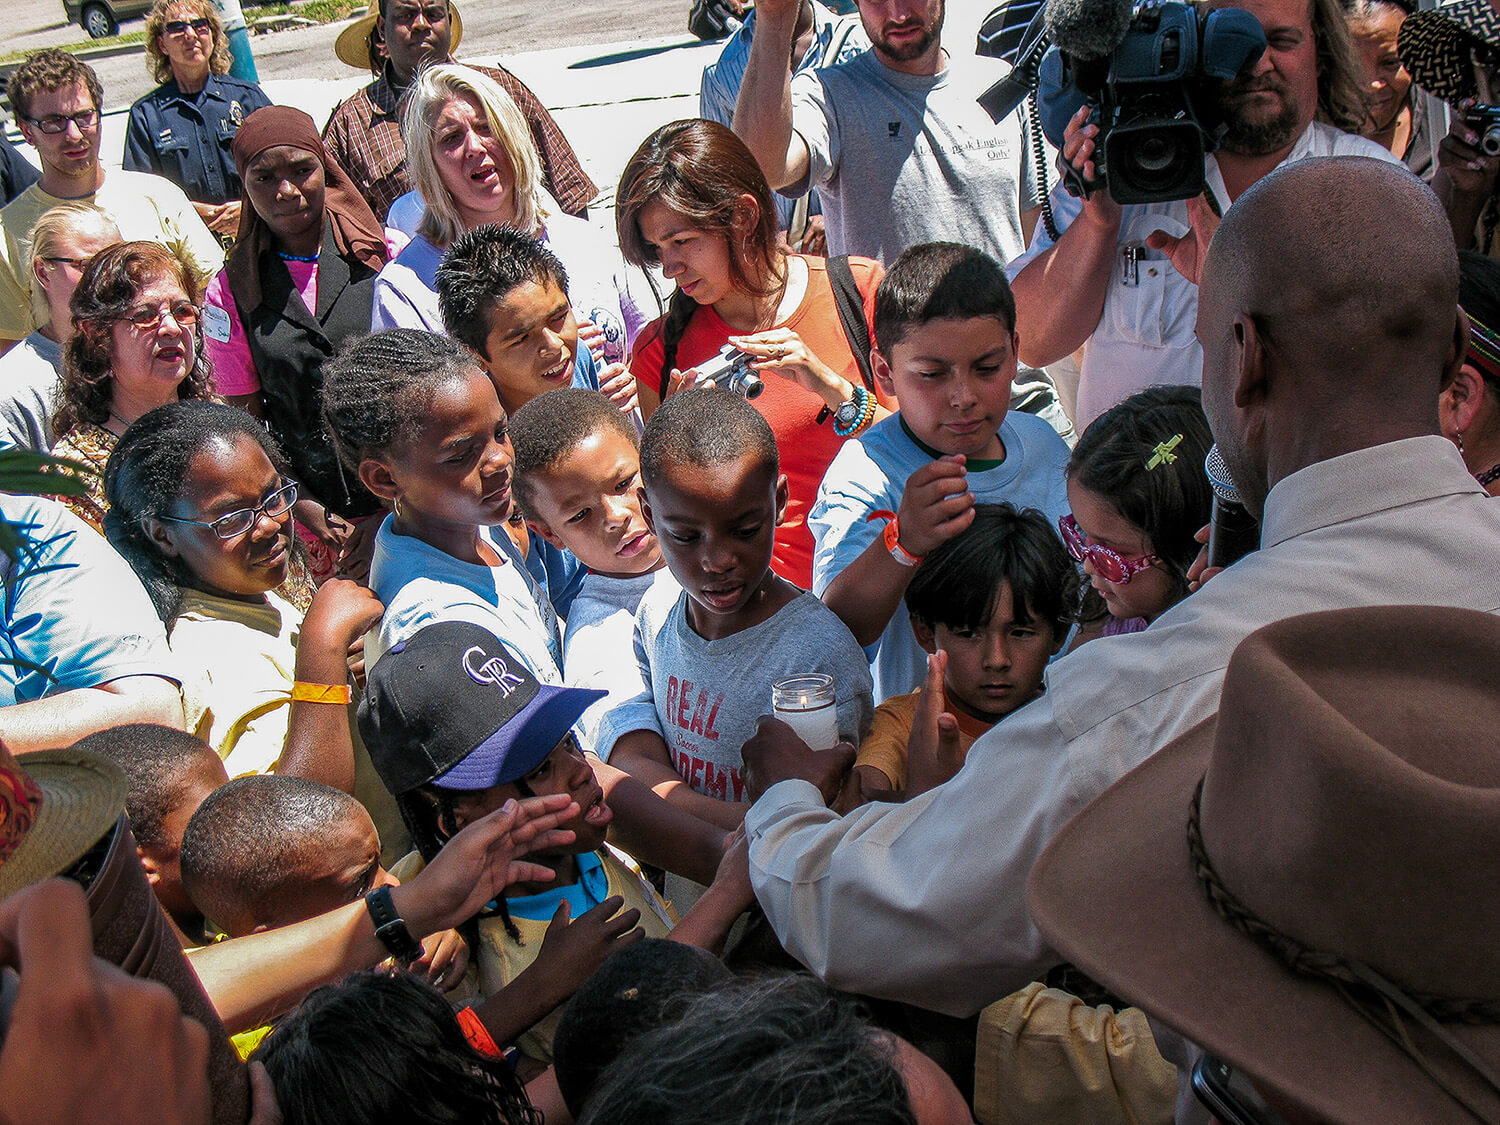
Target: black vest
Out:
[289,346]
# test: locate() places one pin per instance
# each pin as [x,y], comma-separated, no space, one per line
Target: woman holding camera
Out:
[693,201]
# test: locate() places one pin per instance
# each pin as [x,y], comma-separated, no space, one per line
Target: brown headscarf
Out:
[356,230]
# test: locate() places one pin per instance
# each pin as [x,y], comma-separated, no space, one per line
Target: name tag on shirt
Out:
[216,323]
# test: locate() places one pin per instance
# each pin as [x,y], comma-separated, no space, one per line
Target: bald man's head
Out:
[1329,299]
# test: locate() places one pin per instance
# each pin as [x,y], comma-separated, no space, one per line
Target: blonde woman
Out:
[474,162]
[62,242]
[182,129]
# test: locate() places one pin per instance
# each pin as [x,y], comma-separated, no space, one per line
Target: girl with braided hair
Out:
[694,203]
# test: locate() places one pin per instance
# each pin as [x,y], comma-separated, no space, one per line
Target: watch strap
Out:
[390,928]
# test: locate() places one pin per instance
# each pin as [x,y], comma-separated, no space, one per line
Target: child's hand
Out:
[775,753]
[1200,572]
[476,865]
[445,956]
[617,384]
[358,547]
[591,336]
[936,505]
[934,754]
[571,951]
[341,612]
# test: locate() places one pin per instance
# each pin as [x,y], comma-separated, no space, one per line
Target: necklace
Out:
[285,257]
[1489,476]
[124,425]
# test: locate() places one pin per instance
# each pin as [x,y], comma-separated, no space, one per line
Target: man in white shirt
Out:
[1130,295]
[1324,346]
[58,108]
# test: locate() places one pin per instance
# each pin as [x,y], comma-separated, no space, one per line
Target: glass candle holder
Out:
[806,704]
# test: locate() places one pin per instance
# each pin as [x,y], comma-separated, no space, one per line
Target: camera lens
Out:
[1489,141]
[1153,160]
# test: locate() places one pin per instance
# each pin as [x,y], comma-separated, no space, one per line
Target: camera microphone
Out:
[1088,29]
[1233,532]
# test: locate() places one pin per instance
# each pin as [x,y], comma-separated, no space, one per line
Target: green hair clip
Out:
[1162,454]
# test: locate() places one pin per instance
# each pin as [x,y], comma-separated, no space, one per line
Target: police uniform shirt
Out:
[186,137]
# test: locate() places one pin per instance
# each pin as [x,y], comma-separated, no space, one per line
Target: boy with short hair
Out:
[268,850]
[170,773]
[946,347]
[504,296]
[576,479]
[713,494]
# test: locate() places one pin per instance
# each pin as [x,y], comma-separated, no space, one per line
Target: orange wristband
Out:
[321,693]
[477,1034]
[892,540]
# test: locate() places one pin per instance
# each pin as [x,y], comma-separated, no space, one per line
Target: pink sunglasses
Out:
[1111,567]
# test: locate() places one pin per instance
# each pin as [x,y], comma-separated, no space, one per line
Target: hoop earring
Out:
[396,506]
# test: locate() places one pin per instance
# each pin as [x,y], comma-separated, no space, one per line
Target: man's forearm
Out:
[763,111]
[1060,294]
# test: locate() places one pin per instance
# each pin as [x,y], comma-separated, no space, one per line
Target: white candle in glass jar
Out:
[806,704]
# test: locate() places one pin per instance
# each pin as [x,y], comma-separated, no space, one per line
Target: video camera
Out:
[1151,77]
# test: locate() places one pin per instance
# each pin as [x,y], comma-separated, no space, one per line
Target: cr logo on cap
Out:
[490,670]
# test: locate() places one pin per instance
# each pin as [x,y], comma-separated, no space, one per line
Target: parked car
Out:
[101,18]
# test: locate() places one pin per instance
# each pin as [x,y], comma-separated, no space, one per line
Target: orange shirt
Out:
[807,446]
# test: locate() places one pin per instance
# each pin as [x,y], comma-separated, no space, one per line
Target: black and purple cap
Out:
[452,707]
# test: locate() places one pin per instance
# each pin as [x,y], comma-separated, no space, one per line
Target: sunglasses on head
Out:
[1110,566]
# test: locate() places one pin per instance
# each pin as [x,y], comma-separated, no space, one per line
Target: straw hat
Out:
[353,44]
[1280,882]
[1435,46]
[83,795]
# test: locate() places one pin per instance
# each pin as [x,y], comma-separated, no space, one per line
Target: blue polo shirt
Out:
[186,137]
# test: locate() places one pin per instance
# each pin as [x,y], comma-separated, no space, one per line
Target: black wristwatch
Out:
[848,413]
[390,928]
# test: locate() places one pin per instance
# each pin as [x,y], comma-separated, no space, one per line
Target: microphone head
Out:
[1088,29]
[1219,477]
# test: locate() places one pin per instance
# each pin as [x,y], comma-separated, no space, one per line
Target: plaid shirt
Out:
[364,135]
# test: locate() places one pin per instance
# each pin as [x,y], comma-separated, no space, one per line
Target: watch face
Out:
[847,414]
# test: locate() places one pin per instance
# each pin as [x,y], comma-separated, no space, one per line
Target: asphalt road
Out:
[490,28]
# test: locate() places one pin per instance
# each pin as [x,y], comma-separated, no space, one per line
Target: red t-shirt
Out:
[807,446]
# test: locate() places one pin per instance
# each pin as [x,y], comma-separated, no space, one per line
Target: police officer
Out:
[183,129]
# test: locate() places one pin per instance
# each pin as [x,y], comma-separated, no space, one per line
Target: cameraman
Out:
[1123,280]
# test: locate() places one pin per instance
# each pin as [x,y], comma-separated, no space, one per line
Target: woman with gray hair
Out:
[474,162]
[182,130]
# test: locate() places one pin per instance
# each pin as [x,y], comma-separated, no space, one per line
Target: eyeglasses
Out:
[76,263]
[185,313]
[238,522]
[85,119]
[1111,567]
[176,27]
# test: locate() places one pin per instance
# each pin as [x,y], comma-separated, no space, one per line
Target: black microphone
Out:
[1232,531]
[1088,29]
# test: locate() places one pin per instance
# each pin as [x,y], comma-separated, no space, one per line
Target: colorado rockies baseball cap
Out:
[452,707]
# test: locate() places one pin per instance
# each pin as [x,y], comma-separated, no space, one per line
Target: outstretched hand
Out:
[934,754]
[775,753]
[1187,252]
[476,865]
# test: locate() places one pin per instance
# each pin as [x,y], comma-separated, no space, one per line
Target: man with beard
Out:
[1123,280]
[364,132]
[892,139]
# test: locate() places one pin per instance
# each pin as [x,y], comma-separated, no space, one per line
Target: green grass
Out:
[319,11]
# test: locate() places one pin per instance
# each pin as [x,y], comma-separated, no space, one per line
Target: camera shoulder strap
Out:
[851,306]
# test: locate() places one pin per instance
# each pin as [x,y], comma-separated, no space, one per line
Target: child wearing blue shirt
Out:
[946,347]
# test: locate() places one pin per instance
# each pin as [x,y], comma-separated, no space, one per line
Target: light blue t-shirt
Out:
[420,584]
[72,612]
[869,475]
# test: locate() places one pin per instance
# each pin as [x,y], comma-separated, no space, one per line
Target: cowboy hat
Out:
[1279,883]
[1435,46]
[353,44]
[83,795]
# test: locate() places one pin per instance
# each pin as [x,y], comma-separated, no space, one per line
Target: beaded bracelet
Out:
[866,403]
